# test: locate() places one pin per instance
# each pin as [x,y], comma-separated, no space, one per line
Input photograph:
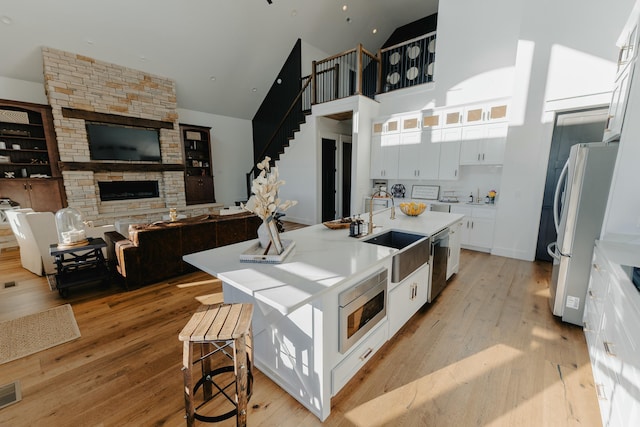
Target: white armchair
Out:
[35,232]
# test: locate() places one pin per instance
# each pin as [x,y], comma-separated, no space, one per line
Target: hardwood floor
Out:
[487,352]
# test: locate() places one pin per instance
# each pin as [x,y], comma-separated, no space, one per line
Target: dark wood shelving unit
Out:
[29,173]
[196,141]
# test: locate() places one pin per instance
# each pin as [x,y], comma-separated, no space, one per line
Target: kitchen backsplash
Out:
[473,179]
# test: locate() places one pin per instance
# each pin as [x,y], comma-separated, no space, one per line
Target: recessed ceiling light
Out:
[374,31]
[348,20]
[212,78]
[344,7]
[89,41]
[255,89]
[143,58]
[6,20]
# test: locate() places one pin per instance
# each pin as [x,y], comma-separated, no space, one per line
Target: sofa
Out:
[153,252]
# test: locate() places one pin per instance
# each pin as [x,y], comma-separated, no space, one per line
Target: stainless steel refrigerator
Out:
[579,207]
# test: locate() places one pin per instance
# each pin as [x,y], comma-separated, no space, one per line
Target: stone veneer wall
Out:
[83,83]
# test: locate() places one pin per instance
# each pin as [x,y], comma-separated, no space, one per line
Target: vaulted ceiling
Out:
[223,54]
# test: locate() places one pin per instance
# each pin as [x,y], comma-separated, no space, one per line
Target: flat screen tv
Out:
[115,142]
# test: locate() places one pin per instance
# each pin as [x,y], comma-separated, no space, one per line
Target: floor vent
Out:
[10,393]
[9,284]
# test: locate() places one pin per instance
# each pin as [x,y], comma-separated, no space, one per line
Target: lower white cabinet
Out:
[406,298]
[477,227]
[453,262]
[356,359]
[611,316]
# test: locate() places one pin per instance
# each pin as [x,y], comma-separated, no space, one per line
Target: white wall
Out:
[232,152]
[556,62]
[22,90]
[499,48]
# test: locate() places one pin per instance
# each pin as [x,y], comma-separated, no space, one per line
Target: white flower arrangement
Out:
[264,202]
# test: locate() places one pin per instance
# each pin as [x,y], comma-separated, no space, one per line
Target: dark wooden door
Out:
[346,179]
[328,179]
[570,128]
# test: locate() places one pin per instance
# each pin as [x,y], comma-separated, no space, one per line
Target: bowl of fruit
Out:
[412,208]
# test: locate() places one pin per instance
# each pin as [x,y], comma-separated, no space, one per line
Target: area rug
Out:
[36,332]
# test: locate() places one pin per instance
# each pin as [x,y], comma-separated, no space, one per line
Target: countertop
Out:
[322,258]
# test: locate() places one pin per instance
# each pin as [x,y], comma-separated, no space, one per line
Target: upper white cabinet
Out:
[484,134]
[450,153]
[410,123]
[618,105]
[384,156]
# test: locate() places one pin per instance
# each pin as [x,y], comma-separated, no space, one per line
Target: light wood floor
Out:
[487,352]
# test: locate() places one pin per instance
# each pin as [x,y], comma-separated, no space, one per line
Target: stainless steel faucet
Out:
[393,208]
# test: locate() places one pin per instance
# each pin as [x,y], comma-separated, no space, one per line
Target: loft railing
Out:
[354,72]
[408,64]
[345,74]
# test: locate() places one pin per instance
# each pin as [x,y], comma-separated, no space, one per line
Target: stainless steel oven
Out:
[361,308]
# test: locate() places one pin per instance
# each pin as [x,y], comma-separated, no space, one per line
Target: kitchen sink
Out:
[411,256]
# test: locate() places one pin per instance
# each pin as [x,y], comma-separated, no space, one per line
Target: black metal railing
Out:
[408,64]
[354,72]
[289,124]
[345,74]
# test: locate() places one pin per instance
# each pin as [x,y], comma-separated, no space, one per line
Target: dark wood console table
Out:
[79,265]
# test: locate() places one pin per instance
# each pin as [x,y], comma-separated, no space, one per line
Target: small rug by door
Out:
[36,332]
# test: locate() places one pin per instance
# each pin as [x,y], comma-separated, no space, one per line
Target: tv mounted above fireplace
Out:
[117,142]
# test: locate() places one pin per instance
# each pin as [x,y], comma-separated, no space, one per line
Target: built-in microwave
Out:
[361,308]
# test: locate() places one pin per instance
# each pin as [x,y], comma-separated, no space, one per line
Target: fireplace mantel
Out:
[119,167]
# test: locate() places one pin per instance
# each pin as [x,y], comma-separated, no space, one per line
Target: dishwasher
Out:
[438,257]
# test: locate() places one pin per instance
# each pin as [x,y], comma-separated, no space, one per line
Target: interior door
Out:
[336,177]
[328,179]
[570,128]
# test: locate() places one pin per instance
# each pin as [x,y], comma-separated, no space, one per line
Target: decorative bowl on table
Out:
[338,224]
[412,208]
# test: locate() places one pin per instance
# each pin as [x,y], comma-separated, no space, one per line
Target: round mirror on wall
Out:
[394,58]
[412,73]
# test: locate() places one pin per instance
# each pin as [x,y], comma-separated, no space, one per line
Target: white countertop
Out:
[322,258]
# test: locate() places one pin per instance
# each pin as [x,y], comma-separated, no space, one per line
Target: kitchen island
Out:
[296,320]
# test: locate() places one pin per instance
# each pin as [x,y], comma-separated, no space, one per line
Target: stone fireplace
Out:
[82,89]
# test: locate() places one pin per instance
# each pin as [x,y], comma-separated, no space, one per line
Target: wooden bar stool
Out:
[221,332]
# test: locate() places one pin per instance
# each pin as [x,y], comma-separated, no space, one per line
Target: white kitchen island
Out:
[296,320]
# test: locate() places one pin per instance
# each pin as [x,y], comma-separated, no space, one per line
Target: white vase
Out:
[263,235]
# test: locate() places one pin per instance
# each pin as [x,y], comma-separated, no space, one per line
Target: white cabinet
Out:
[611,316]
[418,156]
[406,298]
[489,112]
[484,133]
[483,144]
[384,156]
[449,153]
[356,359]
[618,105]
[477,227]
[453,262]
